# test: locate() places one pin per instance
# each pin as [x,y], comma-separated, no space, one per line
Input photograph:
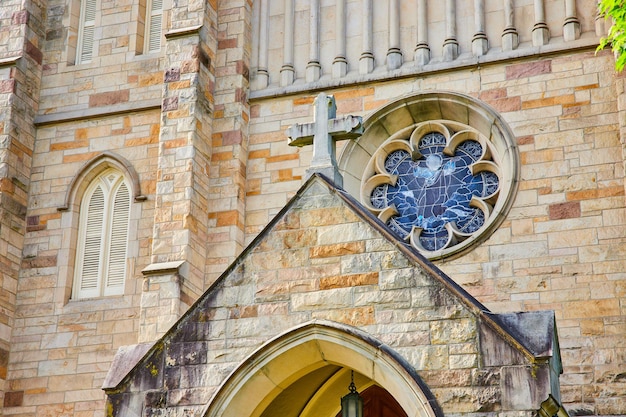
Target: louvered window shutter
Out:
[103,238]
[90,267]
[116,270]
[155,26]
[86,31]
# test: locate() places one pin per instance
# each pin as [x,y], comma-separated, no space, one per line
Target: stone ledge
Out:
[10,61]
[70,116]
[188,31]
[96,304]
[410,69]
[163,268]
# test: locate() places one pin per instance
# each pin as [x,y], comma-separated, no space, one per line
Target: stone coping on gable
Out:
[126,358]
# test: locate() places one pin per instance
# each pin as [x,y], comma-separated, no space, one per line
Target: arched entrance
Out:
[306,371]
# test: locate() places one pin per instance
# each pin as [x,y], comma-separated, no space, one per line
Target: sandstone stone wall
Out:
[560,247]
[21,38]
[60,349]
[229,138]
[155,112]
[215,167]
[320,261]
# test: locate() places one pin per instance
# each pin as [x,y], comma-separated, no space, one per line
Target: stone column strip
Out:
[263,75]
[366,61]
[619,87]
[480,43]
[225,196]
[541,33]
[571,26]
[510,38]
[287,72]
[394,54]
[313,68]
[23,28]
[340,63]
[180,222]
[422,51]
[450,44]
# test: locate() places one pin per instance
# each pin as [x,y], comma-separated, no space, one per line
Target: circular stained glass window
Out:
[433,185]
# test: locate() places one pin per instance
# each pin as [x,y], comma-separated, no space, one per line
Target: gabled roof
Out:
[531,334]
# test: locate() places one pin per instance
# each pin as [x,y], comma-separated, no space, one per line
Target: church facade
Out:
[238,207]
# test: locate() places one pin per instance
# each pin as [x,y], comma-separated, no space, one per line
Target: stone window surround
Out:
[408,142]
[95,274]
[70,218]
[94,167]
[409,111]
[143,29]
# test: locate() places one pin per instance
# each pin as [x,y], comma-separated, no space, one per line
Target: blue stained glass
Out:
[434,190]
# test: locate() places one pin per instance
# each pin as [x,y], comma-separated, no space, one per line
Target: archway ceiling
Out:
[294,399]
[319,393]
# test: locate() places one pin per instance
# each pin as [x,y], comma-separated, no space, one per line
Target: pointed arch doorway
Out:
[305,372]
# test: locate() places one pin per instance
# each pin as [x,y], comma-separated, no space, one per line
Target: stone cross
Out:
[325,129]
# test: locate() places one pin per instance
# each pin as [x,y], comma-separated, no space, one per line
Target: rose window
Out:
[434,185]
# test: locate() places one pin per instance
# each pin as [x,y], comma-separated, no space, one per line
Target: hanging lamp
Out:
[352,403]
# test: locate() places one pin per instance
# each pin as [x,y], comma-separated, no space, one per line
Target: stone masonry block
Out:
[528,69]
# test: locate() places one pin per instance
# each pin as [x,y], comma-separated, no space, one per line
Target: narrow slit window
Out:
[86,31]
[154,26]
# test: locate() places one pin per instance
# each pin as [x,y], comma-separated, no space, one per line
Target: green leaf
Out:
[615,10]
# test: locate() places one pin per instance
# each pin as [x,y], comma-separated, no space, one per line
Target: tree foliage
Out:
[616,37]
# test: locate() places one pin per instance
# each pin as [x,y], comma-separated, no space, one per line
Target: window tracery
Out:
[434,184]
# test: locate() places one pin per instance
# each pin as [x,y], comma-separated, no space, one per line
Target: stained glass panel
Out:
[434,190]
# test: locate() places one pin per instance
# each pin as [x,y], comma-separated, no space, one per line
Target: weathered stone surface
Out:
[528,69]
[108,99]
[431,327]
[463,401]
[349,281]
[336,249]
[516,390]
[452,331]
[215,169]
[447,378]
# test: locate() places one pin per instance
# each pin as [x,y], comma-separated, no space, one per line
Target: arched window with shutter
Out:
[103,237]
